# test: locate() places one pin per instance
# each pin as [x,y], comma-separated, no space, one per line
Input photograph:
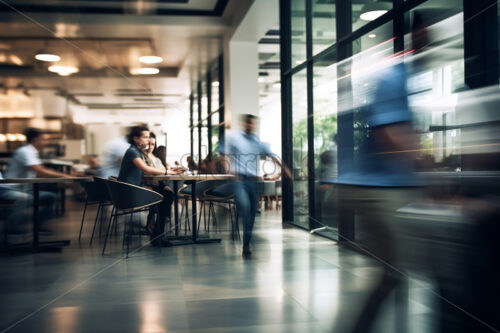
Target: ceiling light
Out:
[150,59]
[63,70]
[20,137]
[3,138]
[145,71]
[277,85]
[215,84]
[374,10]
[47,57]
[261,79]
[15,59]
[372,36]
[11,137]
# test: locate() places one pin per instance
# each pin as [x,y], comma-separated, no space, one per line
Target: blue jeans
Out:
[245,195]
[23,200]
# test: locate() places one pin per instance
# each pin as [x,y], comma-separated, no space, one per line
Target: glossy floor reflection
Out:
[294,282]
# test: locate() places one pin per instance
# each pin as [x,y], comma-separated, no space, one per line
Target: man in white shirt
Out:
[26,163]
[18,199]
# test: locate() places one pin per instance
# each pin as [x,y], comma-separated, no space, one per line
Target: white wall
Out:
[243,80]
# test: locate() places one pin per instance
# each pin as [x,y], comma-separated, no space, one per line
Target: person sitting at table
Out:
[14,215]
[26,163]
[132,170]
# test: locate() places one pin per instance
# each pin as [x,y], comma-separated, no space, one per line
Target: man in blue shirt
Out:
[245,149]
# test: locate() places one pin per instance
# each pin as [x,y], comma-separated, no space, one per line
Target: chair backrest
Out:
[127,196]
[204,186]
[269,187]
[222,190]
[92,191]
[102,189]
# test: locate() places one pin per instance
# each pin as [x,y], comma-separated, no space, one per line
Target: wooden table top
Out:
[190,177]
[45,180]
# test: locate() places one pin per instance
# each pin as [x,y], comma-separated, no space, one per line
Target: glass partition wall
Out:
[207,113]
[329,50]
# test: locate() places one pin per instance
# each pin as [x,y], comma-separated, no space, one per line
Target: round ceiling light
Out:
[144,71]
[374,10]
[47,57]
[150,59]
[63,70]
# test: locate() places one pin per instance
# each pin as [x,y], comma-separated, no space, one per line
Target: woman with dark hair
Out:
[161,154]
[132,170]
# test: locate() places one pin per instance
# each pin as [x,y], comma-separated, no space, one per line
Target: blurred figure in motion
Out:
[382,181]
[244,149]
[112,157]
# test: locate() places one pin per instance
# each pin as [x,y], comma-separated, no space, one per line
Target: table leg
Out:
[176,208]
[36,214]
[195,213]
[176,241]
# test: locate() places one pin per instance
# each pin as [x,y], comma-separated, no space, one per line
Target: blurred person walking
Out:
[244,149]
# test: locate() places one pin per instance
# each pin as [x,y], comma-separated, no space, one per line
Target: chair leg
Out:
[83,219]
[101,220]
[110,223]
[214,218]
[129,226]
[95,222]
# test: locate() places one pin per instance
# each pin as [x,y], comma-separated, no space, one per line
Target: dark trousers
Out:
[164,209]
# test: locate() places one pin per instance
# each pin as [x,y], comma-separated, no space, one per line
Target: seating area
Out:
[259,166]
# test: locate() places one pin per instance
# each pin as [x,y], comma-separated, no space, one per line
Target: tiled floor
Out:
[294,282]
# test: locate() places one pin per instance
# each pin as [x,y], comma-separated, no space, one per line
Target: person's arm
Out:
[284,169]
[43,172]
[138,162]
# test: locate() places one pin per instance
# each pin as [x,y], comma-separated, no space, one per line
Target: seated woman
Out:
[132,170]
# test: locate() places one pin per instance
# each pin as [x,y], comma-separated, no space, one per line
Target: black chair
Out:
[97,194]
[129,199]
[222,195]
[4,206]
[201,188]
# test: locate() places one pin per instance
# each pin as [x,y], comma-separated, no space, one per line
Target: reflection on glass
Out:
[365,11]
[300,151]
[436,75]
[325,145]
[298,24]
[370,55]
[323,25]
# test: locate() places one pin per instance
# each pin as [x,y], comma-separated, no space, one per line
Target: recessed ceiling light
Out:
[47,57]
[63,70]
[372,36]
[150,59]
[144,71]
[374,10]
[215,84]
